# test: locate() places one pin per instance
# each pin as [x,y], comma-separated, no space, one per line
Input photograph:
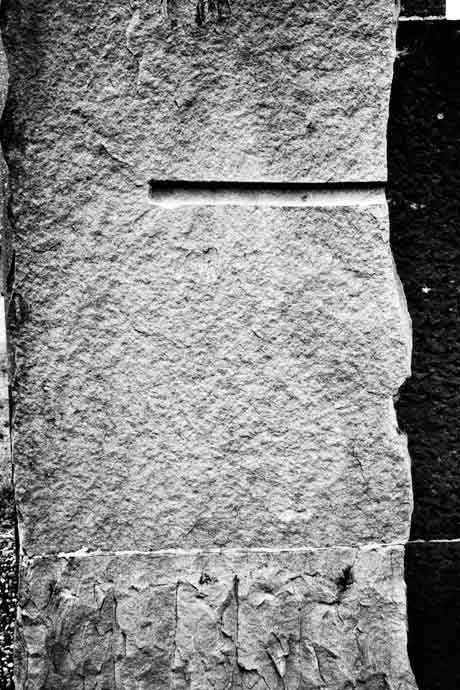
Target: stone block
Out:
[201,89]
[215,376]
[328,618]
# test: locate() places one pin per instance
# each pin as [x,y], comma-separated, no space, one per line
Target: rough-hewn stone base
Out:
[315,619]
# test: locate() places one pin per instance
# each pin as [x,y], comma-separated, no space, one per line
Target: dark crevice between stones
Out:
[424,202]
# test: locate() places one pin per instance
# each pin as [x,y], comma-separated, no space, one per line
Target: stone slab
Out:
[215,376]
[207,89]
[320,619]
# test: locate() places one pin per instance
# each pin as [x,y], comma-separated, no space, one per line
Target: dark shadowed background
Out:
[424,200]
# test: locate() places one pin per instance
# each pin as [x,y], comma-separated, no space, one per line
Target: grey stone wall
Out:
[211,486]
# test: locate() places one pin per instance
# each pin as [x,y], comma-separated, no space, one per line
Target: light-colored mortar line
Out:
[172,194]
[84,553]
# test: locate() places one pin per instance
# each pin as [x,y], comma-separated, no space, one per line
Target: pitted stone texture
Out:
[210,377]
[203,89]
[331,618]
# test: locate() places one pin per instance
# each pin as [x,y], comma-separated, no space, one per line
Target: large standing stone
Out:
[211,383]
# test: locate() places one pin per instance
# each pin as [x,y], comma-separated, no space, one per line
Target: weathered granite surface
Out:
[330,618]
[214,89]
[210,377]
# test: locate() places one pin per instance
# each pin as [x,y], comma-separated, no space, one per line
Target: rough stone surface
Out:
[210,377]
[331,618]
[207,89]
[203,378]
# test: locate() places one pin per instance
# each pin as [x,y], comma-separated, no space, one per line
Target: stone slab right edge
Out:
[313,619]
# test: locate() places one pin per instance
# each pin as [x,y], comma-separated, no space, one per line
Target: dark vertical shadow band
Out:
[424,202]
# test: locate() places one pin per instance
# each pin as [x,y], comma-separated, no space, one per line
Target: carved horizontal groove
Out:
[171,194]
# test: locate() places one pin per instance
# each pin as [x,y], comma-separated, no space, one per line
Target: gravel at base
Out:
[7,608]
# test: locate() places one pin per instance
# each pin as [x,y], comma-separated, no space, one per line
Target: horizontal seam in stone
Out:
[175,193]
[222,552]
[218,552]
